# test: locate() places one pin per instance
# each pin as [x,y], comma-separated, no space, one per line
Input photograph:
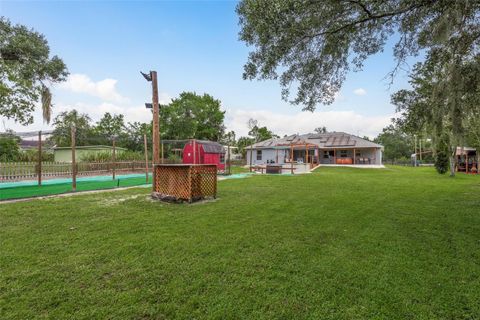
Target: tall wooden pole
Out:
[113,159]
[74,164]
[146,157]
[228,163]
[156,127]
[39,172]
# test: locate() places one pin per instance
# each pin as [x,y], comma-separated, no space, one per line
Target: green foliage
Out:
[9,149]
[26,70]
[311,45]
[243,143]
[192,116]
[442,155]
[109,126]
[124,155]
[63,123]
[396,143]
[132,138]
[444,100]
[31,155]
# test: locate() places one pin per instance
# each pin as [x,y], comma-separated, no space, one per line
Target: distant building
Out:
[331,148]
[64,154]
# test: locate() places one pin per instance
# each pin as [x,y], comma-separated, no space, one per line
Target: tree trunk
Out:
[452,166]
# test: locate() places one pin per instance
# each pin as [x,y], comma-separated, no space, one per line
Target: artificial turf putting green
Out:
[53,189]
[395,243]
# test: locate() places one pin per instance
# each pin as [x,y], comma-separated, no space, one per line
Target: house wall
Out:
[270,154]
[267,154]
[375,155]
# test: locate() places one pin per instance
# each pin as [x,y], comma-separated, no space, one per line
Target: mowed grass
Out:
[396,243]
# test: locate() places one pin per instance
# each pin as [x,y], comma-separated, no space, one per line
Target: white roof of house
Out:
[329,140]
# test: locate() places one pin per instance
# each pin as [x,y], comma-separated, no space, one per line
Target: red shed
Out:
[204,152]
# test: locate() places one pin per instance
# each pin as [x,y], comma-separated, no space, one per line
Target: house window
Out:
[222,157]
[328,154]
[259,154]
[343,153]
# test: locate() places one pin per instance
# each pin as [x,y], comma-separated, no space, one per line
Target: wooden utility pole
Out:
[113,158]
[39,172]
[146,156]
[156,127]
[74,164]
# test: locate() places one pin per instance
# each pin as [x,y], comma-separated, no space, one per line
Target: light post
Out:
[152,77]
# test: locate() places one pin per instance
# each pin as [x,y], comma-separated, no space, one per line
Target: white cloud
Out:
[304,122]
[360,92]
[104,89]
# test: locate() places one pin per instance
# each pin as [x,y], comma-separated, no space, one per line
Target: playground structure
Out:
[466,160]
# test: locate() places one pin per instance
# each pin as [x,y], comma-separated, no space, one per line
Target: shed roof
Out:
[211,146]
[329,140]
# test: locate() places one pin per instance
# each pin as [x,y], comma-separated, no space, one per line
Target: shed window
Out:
[222,157]
[259,154]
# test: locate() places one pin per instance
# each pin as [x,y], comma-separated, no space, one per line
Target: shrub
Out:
[107,156]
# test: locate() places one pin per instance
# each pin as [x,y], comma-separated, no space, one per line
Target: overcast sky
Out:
[194,46]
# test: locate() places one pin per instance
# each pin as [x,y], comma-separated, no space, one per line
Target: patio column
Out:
[354,156]
[334,156]
[306,153]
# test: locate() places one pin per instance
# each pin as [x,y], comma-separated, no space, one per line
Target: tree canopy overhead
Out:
[311,45]
[26,73]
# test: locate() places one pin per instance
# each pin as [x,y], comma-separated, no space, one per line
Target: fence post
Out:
[74,165]
[113,158]
[146,156]
[229,162]
[39,172]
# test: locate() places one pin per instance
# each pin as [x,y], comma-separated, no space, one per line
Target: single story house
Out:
[332,148]
[64,154]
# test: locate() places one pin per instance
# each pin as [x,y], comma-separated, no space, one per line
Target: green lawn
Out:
[398,243]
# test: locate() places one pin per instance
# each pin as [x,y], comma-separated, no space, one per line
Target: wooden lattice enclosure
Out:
[185,182]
